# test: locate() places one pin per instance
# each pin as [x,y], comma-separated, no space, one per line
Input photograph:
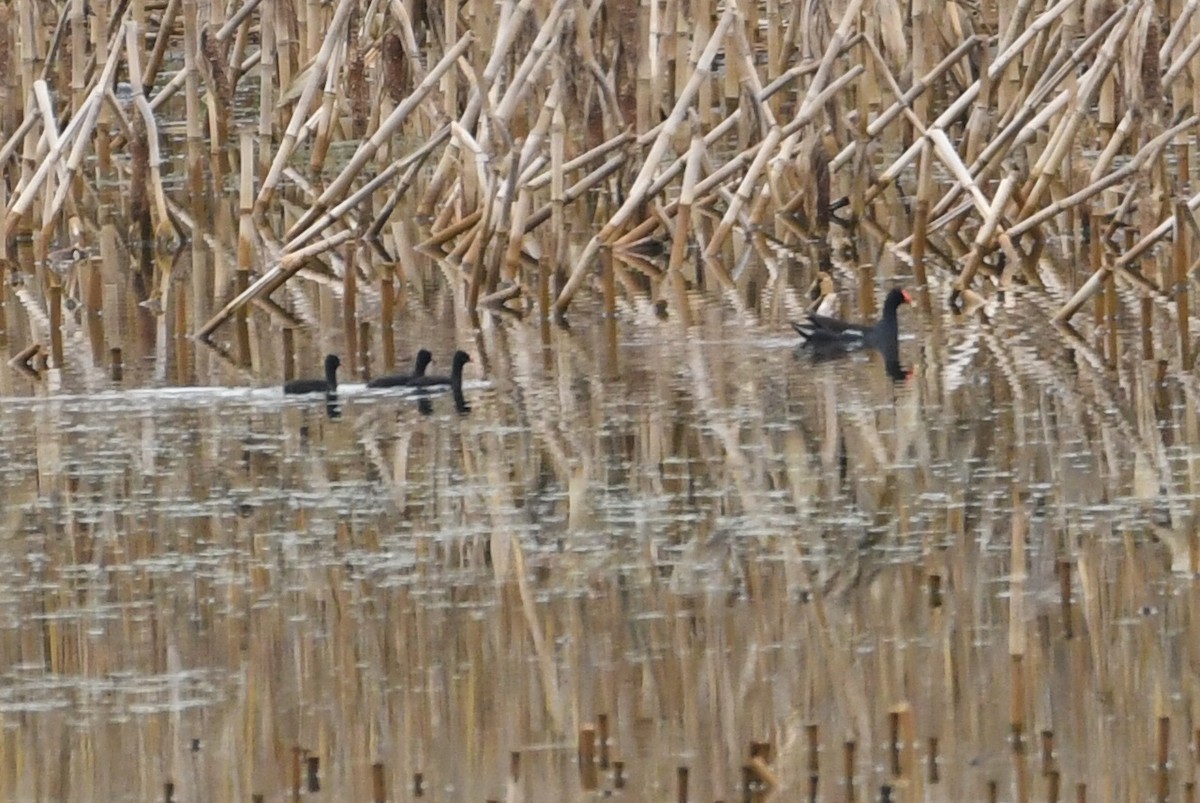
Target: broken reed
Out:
[723,127]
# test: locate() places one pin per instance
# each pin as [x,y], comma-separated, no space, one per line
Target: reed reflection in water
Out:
[696,543]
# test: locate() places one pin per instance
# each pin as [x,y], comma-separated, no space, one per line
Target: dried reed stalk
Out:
[639,191]
[368,149]
[333,37]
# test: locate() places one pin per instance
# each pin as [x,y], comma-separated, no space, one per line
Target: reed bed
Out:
[534,149]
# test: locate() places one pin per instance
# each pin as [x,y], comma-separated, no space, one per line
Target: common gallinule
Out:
[400,380]
[823,334]
[326,385]
[461,358]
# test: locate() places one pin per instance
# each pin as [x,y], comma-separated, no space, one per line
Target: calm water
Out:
[688,532]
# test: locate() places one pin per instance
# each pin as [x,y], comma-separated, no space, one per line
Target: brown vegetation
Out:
[531,136]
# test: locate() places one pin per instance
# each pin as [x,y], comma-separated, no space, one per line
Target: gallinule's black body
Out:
[830,336]
[461,358]
[820,330]
[401,380]
[326,385]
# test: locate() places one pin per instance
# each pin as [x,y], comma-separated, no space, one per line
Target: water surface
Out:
[691,533]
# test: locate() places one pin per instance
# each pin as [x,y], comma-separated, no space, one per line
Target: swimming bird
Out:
[461,358]
[326,385]
[825,335]
[400,380]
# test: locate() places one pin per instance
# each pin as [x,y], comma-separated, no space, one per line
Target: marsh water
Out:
[673,530]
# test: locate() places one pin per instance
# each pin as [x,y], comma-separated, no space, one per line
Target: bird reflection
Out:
[333,410]
[898,372]
[425,403]
[460,402]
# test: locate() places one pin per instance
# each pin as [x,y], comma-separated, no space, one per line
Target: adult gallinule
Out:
[400,380]
[461,358]
[825,335]
[326,385]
